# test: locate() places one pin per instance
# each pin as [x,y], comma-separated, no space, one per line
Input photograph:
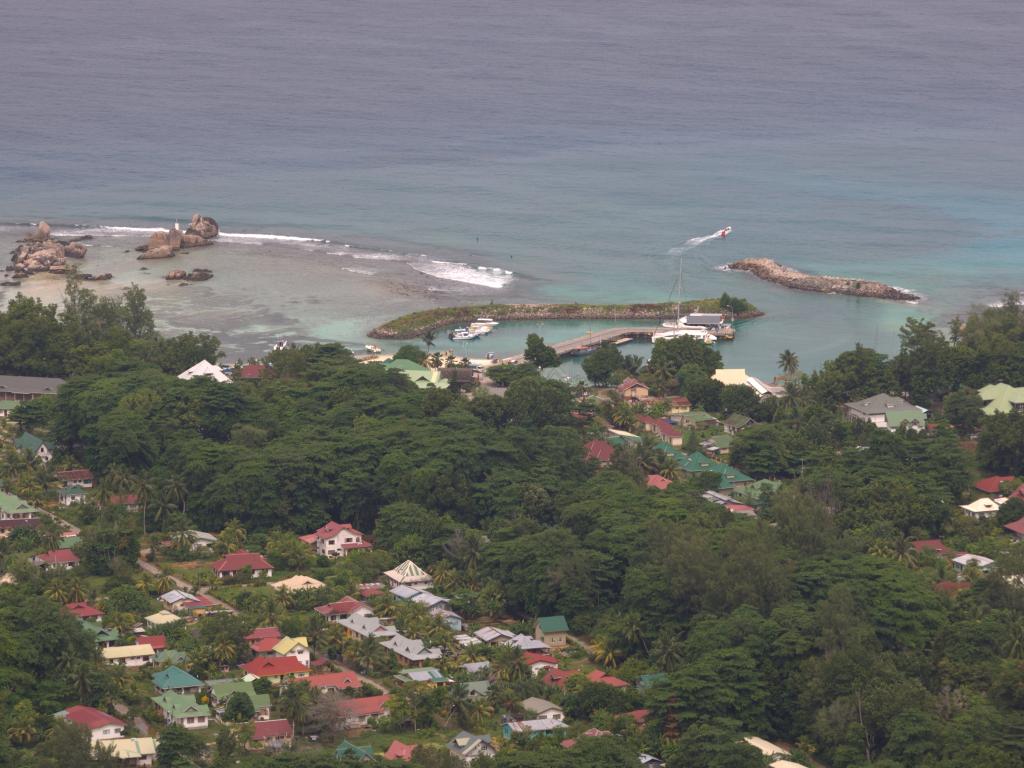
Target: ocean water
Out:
[562,147]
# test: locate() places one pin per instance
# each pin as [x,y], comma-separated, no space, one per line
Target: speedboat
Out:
[462,334]
[486,321]
[373,349]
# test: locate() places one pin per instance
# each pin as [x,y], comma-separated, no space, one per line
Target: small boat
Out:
[463,335]
[486,321]
[373,349]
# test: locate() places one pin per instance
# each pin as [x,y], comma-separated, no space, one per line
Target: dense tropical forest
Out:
[815,622]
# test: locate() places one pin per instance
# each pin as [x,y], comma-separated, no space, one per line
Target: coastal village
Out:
[219,642]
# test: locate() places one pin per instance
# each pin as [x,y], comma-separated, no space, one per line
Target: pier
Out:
[583,344]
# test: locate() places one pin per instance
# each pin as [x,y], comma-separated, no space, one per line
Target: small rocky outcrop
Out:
[162,245]
[91,277]
[197,275]
[41,234]
[203,226]
[772,271]
[74,250]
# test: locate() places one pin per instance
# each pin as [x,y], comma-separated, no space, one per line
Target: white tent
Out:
[207,369]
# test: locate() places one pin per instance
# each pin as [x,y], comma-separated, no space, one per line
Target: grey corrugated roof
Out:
[28,385]
[879,404]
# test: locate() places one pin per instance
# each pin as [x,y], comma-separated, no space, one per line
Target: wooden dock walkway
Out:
[593,340]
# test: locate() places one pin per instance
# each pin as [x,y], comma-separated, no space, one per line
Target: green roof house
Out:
[177,680]
[347,748]
[35,446]
[222,690]
[14,508]
[104,637]
[6,407]
[183,710]
[552,630]
[420,376]
[1001,398]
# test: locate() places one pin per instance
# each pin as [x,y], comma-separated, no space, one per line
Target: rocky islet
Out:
[780,274]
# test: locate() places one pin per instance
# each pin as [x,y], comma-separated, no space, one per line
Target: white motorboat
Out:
[486,321]
[373,349]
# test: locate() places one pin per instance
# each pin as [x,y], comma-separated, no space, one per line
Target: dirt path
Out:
[154,570]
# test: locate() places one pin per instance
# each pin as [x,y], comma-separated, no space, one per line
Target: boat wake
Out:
[693,242]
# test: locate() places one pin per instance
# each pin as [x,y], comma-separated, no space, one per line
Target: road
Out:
[180,583]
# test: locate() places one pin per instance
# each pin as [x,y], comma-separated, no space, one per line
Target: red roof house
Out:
[1016,528]
[252,371]
[56,558]
[335,681]
[124,500]
[373,589]
[599,451]
[639,715]
[400,751]
[262,632]
[263,730]
[90,717]
[79,477]
[667,431]
[932,545]
[991,485]
[557,677]
[357,712]
[84,610]
[597,676]
[342,609]
[236,562]
[159,642]
[334,539]
[276,667]
[659,482]
[631,389]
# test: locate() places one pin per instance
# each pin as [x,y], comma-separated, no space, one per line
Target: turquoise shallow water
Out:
[572,144]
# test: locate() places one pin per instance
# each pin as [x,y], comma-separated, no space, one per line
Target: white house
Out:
[886,412]
[962,562]
[336,539]
[100,725]
[412,651]
[129,655]
[542,709]
[409,574]
[204,368]
[981,508]
[139,751]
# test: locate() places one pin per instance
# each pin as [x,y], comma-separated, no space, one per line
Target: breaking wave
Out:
[460,272]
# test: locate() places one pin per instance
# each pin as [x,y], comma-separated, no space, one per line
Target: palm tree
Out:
[295,702]
[332,641]
[176,492]
[605,653]
[444,575]
[508,664]
[369,655]
[902,551]
[789,363]
[667,651]
[76,592]
[164,583]
[81,676]
[56,591]
[1014,645]
[428,338]
[144,582]
[458,702]
[183,539]
[147,494]
[633,630]
[224,652]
